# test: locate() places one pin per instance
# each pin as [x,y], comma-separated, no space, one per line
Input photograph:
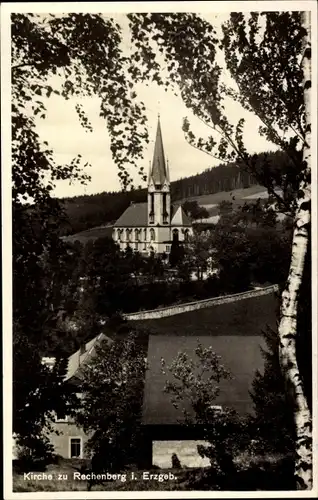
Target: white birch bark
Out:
[288,322]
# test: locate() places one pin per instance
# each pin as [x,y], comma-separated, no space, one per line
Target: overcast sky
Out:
[62,130]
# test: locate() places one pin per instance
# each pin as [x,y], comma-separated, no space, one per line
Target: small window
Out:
[60,417]
[216,408]
[152,234]
[75,447]
[168,248]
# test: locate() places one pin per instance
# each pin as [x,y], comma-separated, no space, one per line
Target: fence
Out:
[200,304]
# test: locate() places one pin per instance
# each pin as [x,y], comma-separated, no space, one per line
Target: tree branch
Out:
[281,100]
[221,133]
[200,149]
[17,66]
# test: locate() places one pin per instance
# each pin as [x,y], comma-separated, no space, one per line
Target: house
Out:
[69,441]
[163,424]
[152,226]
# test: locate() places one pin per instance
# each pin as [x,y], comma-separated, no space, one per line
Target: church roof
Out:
[159,171]
[180,218]
[135,215]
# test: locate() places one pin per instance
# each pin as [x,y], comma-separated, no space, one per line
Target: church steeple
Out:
[159,185]
[159,169]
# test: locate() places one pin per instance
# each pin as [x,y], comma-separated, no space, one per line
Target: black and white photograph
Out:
[159,249]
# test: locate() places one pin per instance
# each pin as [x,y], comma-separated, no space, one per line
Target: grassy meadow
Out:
[90,234]
[237,197]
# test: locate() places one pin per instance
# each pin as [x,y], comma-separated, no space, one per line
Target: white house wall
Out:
[160,243]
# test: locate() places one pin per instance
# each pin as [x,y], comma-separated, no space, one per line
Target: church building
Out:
[152,226]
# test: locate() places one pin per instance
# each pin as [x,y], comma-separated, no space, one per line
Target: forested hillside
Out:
[89,211]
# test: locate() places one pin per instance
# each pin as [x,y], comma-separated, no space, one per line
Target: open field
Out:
[241,318]
[211,201]
[90,234]
[237,197]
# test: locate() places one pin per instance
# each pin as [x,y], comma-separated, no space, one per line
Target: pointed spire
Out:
[158,170]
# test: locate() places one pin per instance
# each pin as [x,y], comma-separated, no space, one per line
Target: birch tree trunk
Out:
[289,305]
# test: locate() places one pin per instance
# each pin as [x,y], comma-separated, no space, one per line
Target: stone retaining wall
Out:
[200,304]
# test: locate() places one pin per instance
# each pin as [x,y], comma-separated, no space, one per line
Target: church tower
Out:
[159,203]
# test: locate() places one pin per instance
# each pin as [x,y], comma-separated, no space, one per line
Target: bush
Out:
[252,474]
[34,453]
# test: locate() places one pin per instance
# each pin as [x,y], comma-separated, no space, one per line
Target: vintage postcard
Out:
[159,228]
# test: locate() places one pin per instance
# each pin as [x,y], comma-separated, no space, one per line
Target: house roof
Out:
[159,171]
[240,355]
[80,358]
[135,215]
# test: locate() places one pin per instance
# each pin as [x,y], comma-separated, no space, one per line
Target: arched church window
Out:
[119,234]
[175,235]
[137,234]
[145,239]
[152,234]
[152,209]
[127,234]
[186,235]
[164,208]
